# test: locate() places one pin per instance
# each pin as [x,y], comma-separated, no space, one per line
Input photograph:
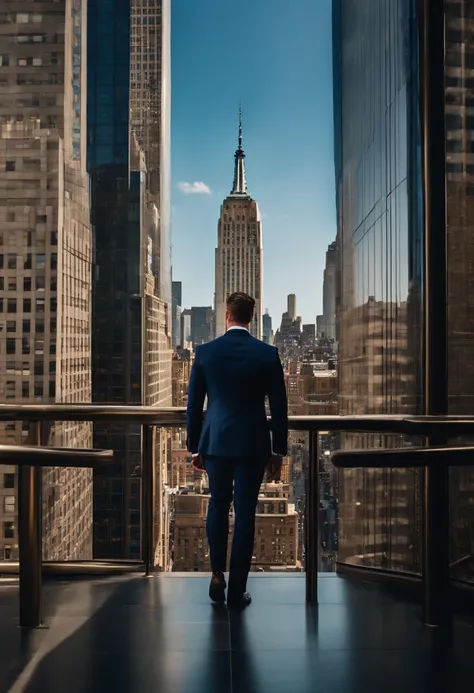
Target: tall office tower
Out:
[177,300]
[202,325]
[239,252]
[329,292]
[291,302]
[379,178]
[128,162]
[186,329]
[267,331]
[45,260]
[377,131]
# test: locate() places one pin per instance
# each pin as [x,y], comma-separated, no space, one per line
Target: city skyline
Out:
[288,141]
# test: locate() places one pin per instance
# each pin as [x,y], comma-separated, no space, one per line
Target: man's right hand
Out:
[198,462]
[274,468]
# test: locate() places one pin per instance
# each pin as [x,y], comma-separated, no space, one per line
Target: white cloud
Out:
[195,188]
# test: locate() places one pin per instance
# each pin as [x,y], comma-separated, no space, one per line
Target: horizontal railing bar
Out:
[403,458]
[52,457]
[176,416]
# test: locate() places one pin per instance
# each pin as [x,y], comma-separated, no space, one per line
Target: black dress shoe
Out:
[239,602]
[217,588]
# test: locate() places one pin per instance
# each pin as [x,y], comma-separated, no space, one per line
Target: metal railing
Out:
[150,417]
[30,460]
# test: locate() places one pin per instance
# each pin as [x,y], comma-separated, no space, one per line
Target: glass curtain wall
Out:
[378,182]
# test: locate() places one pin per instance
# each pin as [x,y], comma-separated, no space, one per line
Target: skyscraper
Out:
[380,77]
[329,292]
[202,325]
[267,330]
[239,252]
[46,254]
[291,300]
[379,208]
[128,161]
[177,291]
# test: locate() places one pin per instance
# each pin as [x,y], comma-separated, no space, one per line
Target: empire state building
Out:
[239,254]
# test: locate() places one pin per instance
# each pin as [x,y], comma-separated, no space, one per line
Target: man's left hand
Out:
[198,462]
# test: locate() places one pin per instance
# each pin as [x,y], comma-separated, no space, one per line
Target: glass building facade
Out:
[378,178]
[380,228]
[131,338]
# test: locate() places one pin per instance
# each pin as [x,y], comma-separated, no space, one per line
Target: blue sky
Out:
[274,57]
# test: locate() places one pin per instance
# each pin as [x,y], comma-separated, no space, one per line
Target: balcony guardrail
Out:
[150,417]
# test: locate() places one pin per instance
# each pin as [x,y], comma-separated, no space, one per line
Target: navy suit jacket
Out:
[237,372]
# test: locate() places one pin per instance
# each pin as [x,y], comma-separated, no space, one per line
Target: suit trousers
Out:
[238,479]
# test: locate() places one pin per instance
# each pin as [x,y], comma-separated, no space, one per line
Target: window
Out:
[8,481]
[22,18]
[40,261]
[8,530]
[11,326]
[11,305]
[27,305]
[12,285]
[10,166]
[41,219]
[25,389]
[9,504]
[11,261]
[10,389]
[11,346]
[27,284]
[39,368]
[52,388]
[4,60]
[26,326]
[40,282]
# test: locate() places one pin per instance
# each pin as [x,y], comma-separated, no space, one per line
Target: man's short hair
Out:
[241,306]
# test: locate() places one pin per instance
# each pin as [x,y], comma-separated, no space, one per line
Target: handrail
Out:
[149,417]
[30,460]
[176,416]
[405,458]
[52,457]
[436,591]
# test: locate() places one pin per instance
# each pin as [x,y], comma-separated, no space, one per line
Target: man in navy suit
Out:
[232,441]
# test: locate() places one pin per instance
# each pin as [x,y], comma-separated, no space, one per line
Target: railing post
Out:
[436,496]
[30,536]
[148,476]
[312,519]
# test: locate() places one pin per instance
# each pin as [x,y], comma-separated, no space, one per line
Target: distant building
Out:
[186,336]
[308,336]
[276,532]
[291,306]
[320,325]
[202,325]
[239,252]
[329,292]
[267,331]
[177,302]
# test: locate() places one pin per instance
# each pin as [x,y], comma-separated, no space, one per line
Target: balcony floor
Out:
[162,634]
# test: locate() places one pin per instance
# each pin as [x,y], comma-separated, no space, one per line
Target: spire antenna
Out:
[240,186]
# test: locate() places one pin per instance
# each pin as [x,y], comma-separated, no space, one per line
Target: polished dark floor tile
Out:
[143,672]
[387,671]
[162,634]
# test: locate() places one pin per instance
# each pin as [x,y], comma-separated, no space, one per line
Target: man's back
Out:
[237,372]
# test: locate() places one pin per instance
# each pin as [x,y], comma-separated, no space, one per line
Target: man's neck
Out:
[237,326]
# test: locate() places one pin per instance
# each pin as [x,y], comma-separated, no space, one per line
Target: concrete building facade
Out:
[46,253]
